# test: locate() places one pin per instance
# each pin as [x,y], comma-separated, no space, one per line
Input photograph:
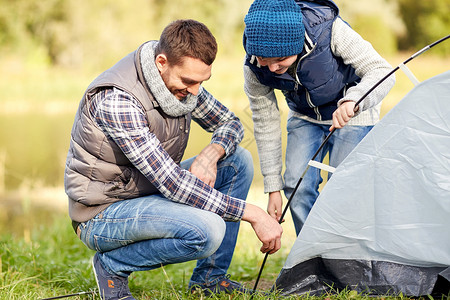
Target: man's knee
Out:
[214,232]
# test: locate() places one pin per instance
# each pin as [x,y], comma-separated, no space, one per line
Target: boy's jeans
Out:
[304,139]
[147,232]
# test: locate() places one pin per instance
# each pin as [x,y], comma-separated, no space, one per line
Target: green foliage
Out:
[426,22]
[384,41]
[50,261]
[74,33]
[34,23]
[224,18]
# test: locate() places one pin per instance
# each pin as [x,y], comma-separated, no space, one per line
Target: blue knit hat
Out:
[274,28]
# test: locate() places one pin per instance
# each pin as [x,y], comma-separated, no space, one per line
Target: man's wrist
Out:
[214,151]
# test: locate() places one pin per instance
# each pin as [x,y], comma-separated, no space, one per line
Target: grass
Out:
[48,260]
[53,262]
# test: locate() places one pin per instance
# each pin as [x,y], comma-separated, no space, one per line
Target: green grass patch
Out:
[53,262]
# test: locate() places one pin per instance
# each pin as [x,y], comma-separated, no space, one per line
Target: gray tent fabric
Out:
[381,225]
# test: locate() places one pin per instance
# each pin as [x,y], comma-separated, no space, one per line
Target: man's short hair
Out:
[183,38]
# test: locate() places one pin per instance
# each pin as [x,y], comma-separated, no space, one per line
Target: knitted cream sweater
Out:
[355,51]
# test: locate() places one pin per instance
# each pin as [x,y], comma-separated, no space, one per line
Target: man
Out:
[323,67]
[130,199]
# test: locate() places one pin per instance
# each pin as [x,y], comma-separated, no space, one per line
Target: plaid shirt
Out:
[123,119]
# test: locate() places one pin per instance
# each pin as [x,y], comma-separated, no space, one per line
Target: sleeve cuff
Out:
[226,145]
[273,183]
[235,210]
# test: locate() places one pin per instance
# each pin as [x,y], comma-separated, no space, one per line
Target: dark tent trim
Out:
[319,276]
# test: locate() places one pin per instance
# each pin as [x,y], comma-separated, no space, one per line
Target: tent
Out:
[382,223]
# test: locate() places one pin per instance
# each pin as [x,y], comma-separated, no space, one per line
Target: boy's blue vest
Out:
[322,78]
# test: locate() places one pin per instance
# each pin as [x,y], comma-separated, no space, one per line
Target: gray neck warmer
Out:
[166,100]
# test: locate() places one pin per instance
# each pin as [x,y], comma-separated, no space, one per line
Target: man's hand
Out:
[275,205]
[266,228]
[343,114]
[205,164]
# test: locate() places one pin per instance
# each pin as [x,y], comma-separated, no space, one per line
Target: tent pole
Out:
[70,295]
[329,136]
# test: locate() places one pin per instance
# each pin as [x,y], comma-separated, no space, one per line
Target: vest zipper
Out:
[186,125]
[182,126]
[308,96]
[308,43]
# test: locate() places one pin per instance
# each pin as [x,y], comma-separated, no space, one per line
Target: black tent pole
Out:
[70,295]
[331,133]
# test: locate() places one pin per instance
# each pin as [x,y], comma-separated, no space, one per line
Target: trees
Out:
[425,22]
[34,24]
[71,32]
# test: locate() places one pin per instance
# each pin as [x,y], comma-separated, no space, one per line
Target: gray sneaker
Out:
[110,287]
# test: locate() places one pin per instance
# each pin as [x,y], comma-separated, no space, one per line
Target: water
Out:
[33,148]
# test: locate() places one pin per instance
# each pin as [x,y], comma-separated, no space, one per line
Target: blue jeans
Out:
[304,139]
[147,232]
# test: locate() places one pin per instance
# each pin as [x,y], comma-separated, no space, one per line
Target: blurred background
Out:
[50,50]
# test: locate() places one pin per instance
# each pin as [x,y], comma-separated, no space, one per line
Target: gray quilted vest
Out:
[97,172]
